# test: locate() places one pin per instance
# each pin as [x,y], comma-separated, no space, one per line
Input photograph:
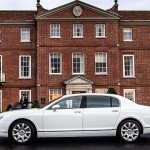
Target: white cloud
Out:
[49,4]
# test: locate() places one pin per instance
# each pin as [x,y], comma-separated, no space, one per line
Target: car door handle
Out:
[115,110]
[77,112]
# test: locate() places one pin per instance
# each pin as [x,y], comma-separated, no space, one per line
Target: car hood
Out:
[19,112]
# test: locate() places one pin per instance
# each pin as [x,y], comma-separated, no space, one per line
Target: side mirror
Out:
[55,107]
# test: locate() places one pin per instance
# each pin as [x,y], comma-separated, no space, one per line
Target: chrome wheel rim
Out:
[21,132]
[130,131]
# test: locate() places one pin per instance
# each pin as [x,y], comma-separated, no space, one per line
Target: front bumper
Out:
[4,128]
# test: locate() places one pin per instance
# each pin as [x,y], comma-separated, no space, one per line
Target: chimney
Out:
[40,9]
[116,6]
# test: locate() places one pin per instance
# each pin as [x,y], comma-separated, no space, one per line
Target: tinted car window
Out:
[70,102]
[98,101]
[115,102]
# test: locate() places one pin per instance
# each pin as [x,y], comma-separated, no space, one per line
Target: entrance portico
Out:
[78,84]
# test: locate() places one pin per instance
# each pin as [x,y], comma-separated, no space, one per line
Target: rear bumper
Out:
[146,130]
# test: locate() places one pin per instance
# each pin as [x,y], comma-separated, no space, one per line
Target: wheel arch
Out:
[133,120]
[20,119]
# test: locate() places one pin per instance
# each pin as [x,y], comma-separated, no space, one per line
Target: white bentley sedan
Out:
[78,116]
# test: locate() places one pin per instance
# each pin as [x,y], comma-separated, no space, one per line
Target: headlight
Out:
[1,117]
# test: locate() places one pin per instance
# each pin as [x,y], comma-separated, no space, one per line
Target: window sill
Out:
[127,40]
[76,37]
[25,41]
[100,37]
[57,74]
[53,37]
[24,78]
[78,74]
[129,77]
[100,74]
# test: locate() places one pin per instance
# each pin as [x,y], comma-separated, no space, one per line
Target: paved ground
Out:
[107,143]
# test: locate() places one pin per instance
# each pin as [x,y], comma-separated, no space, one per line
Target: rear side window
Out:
[115,102]
[98,101]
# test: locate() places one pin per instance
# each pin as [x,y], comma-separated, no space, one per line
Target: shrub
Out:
[36,104]
[112,91]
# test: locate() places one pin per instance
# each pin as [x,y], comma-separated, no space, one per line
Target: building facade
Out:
[75,48]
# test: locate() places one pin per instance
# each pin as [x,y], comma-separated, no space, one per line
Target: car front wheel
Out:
[21,131]
[129,131]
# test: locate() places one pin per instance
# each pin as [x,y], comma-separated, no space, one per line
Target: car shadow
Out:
[111,143]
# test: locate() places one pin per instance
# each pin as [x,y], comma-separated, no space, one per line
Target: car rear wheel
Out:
[129,131]
[22,131]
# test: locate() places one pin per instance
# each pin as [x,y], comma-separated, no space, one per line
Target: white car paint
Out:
[78,122]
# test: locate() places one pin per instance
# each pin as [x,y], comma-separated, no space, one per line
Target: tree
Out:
[112,91]
[36,104]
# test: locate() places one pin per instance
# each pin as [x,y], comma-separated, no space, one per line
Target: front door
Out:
[101,113]
[65,120]
[0,101]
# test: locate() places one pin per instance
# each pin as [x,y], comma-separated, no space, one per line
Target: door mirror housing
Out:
[55,107]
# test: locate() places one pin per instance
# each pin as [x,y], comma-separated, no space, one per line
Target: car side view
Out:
[78,115]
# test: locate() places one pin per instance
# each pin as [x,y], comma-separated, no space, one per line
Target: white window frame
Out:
[0,35]
[128,76]
[1,71]
[1,101]
[50,64]
[51,36]
[126,30]
[97,30]
[101,73]
[81,73]
[23,77]
[50,93]
[74,36]
[29,34]
[129,90]
[24,91]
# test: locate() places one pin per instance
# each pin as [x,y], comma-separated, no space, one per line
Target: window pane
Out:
[25,35]
[101,63]
[115,102]
[0,101]
[1,68]
[70,103]
[26,94]
[55,30]
[127,33]
[128,66]
[78,63]
[78,30]
[55,94]
[129,94]
[55,62]
[25,67]
[98,101]
[100,30]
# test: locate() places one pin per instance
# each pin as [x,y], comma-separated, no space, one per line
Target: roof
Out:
[17,15]
[134,15]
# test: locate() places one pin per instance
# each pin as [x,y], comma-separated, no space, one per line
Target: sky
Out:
[49,4]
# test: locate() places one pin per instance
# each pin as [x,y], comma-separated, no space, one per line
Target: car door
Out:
[65,120]
[101,113]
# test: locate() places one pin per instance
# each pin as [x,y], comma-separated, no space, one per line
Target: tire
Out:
[22,132]
[129,131]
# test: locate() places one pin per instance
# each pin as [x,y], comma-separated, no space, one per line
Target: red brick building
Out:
[72,49]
